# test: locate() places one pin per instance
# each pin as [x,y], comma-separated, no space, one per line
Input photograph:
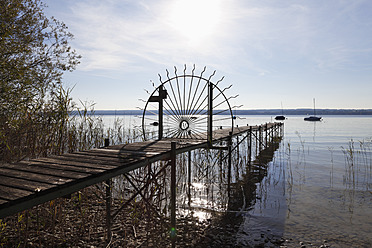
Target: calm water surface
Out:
[319,184]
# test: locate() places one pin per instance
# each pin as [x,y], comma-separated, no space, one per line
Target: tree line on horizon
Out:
[252,112]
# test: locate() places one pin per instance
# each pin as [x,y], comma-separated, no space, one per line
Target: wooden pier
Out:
[28,183]
[184,113]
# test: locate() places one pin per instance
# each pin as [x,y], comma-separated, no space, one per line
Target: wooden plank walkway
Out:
[28,183]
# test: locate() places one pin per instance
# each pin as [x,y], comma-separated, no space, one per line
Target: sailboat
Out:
[314,117]
[280,117]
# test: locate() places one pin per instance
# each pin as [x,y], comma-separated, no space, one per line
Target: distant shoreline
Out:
[272,112]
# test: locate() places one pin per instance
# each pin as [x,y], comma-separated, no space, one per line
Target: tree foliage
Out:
[34,54]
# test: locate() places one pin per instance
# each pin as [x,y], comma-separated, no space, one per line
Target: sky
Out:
[274,53]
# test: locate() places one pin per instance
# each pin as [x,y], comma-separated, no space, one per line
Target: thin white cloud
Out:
[108,38]
[323,33]
[115,35]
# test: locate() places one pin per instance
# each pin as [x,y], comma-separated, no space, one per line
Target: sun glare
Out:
[195,19]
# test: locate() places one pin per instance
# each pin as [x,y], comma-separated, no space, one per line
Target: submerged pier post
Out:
[237,159]
[259,139]
[237,146]
[256,142]
[250,148]
[189,178]
[229,164]
[173,231]
[282,129]
[266,134]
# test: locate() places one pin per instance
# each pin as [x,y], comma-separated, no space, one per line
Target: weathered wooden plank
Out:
[33,177]
[60,166]
[23,184]
[117,153]
[107,162]
[10,193]
[71,161]
[113,162]
[95,159]
[35,168]
[158,147]
[141,146]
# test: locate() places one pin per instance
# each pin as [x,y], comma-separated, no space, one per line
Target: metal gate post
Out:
[159,99]
[210,113]
[160,113]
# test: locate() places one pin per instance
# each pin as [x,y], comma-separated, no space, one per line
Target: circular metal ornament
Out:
[186,106]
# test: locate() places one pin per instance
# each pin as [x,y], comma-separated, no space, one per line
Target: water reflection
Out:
[248,203]
[317,187]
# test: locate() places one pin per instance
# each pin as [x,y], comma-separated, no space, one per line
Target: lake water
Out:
[325,190]
[319,184]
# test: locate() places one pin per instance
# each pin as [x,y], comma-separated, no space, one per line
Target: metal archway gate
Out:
[186,106]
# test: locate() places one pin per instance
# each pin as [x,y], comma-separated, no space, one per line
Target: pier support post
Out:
[173,231]
[147,193]
[237,146]
[266,134]
[256,142]
[108,209]
[108,203]
[281,130]
[237,162]
[250,148]
[189,178]
[229,164]
[259,138]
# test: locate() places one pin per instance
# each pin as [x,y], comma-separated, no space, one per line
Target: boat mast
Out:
[314,106]
[281,103]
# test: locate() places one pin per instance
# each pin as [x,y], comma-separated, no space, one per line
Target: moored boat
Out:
[280,117]
[314,117]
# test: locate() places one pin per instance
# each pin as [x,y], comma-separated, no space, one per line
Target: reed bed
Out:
[358,164]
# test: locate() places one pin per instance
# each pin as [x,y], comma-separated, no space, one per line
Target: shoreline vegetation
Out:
[79,220]
[301,111]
